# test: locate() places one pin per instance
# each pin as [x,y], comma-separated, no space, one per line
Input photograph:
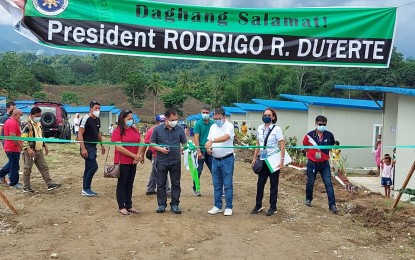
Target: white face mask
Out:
[36,119]
[172,123]
[95,113]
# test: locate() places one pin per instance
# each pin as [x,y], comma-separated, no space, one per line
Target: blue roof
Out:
[335,102]
[116,111]
[193,117]
[281,105]
[250,107]
[2,97]
[25,110]
[395,90]
[85,109]
[233,110]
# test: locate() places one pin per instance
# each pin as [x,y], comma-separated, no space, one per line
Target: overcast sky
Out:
[405,28]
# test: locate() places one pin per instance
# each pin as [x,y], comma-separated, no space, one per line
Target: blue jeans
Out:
[207,158]
[11,167]
[91,166]
[222,177]
[324,169]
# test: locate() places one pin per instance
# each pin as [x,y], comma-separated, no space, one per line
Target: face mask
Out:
[205,116]
[266,119]
[129,123]
[321,128]
[172,123]
[95,113]
[36,119]
[219,122]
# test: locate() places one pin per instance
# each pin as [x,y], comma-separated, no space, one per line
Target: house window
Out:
[377,130]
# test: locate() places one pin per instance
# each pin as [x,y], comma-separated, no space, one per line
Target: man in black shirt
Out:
[88,135]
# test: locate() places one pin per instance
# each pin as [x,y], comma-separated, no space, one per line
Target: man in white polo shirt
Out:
[221,134]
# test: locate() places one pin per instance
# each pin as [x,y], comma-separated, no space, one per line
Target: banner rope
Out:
[56,140]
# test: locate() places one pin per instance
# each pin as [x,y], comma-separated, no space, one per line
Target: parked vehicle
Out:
[54,120]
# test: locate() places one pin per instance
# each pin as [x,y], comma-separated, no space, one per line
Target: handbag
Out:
[111,171]
[149,155]
[260,164]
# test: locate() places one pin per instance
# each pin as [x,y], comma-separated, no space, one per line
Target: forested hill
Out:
[138,79]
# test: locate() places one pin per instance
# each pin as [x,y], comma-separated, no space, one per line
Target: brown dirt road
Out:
[76,227]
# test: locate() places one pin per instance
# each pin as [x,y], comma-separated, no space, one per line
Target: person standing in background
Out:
[201,131]
[152,180]
[88,137]
[12,149]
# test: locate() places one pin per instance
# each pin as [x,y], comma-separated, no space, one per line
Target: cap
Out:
[160,118]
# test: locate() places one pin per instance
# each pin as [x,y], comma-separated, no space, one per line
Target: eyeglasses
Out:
[321,124]
[268,115]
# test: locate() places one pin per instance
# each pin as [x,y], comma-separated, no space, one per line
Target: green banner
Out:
[358,37]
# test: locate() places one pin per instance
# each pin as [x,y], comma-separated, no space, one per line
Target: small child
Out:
[387,172]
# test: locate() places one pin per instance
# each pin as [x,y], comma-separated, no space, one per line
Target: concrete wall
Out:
[350,127]
[390,123]
[296,120]
[404,136]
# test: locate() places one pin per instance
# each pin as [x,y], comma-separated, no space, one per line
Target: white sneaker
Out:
[228,212]
[214,210]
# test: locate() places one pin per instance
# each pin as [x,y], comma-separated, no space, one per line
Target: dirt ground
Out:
[70,226]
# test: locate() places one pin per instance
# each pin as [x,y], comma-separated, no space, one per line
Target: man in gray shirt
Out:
[168,136]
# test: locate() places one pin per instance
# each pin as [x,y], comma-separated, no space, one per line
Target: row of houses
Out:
[354,122]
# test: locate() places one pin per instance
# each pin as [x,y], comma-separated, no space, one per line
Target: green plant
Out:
[297,155]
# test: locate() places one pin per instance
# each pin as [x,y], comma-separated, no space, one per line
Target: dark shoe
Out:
[29,190]
[151,192]
[53,186]
[256,210]
[161,209]
[175,209]
[308,203]
[271,212]
[333,209]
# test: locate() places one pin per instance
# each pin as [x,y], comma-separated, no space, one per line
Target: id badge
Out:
[318,155]
[263,154]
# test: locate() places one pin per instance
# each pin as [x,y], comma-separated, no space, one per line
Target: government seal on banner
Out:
[50,7]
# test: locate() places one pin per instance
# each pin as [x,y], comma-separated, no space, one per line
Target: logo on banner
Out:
[50,7]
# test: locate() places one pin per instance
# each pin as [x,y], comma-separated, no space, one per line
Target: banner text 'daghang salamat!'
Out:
[251,35]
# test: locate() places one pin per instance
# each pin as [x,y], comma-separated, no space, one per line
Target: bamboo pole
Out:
[408,178]
[8,203]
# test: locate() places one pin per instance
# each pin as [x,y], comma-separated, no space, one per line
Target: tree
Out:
[23,81]
[175,100]
[40,95]
[70,97]
[136,85]
[155,86]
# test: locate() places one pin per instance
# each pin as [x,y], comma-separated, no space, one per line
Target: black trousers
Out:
[175,171]
[262,180]
[125,185]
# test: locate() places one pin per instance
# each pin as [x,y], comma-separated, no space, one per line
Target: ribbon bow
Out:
[190,162]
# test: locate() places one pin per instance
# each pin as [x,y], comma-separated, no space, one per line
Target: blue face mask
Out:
[266,119]
[205,116]
[321,128]
[219,122]
[129,123]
